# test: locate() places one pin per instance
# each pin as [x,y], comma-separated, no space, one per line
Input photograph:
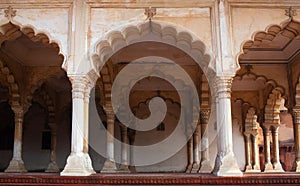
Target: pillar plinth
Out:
[17,164]
[78,164]
[226,164]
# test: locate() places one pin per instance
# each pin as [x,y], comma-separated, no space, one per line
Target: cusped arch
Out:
[11,31]
[157,32]
[289,29]
[272,108]
[13,86]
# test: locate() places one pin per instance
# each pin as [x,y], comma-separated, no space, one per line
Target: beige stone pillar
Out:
[296,113]
[124,153]
[196,163]
[77,160]
[226,164]
[256,164]
[52,166]
[268,164]
[248,152]
[205,161]
[276,163]
[190,155]
[109,165]
[17,164]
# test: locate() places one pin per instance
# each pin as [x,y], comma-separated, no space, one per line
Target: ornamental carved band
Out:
[204,114]
[78,87]
[223,86]
[296,113]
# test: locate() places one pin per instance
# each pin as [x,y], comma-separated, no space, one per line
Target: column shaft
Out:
[196,163]
[296,114]
[17,164]
[276,164]
[268,164]
[124,153]
[248,153]
[256,164]
[190,155]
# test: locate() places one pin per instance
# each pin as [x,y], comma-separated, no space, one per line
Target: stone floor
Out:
[148,179]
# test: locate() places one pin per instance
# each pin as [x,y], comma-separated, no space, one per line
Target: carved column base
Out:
[52,167]
[248,168]
[109,167]
[189,168]
[77,165]
[256,168]
[88,164]
[227,166]
[297,166]
[268,167]
[123,169]
[278,167]
[195,168]
[205,167]
[16,166]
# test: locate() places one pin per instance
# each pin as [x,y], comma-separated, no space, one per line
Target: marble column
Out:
[109,165]
[77,161]
[248,152]
[196,163]
[124,153]
[205,161]
[268,164]
[256,164]
[276,163]
[296,113]
[52,166]
[226,164]
[17,164]
[190,155]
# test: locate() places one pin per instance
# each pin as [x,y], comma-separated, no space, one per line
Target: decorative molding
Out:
[10,13]
[150,12]
[290,12]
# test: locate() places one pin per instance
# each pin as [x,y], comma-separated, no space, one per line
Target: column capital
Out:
[223,86]
[79,85]
[18,110]
[204,115]
[296,114]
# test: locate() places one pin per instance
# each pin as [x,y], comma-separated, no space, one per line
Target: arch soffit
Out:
[157,32]
[13,86]
[13,30]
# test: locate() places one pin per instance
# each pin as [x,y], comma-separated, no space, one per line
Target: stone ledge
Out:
[148,179]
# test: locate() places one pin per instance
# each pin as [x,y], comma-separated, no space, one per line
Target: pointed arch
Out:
[272,108]
[157,32]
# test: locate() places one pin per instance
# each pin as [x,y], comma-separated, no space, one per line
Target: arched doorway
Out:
[153,44]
